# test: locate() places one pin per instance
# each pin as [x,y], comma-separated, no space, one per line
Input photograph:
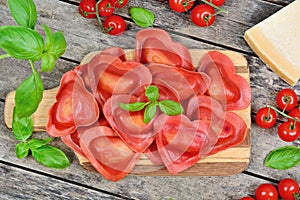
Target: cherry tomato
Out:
[203,15]
[180,5]
[247,198]
[287,188]
[265,117]
[295,112]
[119,3]
[105,8]
[87,8]
[286,99]
[288,131]
[114,25]
[266,191]
[218,2]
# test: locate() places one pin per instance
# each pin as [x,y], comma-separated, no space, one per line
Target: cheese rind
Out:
[276,40]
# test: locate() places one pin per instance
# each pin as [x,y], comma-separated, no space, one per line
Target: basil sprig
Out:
[23,42]
[168,107]
[283,158]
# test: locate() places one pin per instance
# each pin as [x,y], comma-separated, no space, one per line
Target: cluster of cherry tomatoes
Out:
[287,189]
[202,14]
[287,102]
[113,24]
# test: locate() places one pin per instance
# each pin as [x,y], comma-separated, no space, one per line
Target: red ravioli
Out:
[75,107]
[108,76]
[107,153]
[186,83]
[232,90]
[233,133]
[156,46]
[153,154]
[128,125]
[180,141]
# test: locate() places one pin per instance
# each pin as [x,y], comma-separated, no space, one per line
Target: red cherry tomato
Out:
[265,117]
[266,191]
[203,15]
[114,25]
[288,131]
[218,2]
[247,198]
[105,8]
[288,188]
[295,113]
[180,5]
[286,99]
[87,8]
[119,3]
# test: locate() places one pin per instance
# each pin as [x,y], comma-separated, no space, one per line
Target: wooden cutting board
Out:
[228,162]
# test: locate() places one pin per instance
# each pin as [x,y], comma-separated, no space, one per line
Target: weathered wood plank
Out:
[20,184]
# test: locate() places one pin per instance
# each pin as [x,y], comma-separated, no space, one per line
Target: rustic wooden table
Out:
[25,179]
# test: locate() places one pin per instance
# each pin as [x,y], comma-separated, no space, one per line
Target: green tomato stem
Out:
[98,16]
[220,10]
[283,113]
[4,56]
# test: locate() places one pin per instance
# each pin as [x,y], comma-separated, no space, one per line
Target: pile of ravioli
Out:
[88,118]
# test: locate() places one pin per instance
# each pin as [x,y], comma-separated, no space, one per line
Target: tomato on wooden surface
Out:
[265,117]
[288,131]
[218,2]
[266,191]
[114,25]
[180,5]
[87,8]
[286,99]
[288,189]
[105,8]
[203,15]
[119,3]
[295,113]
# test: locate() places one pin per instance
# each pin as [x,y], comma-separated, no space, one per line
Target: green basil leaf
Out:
[22,127]
[283,158]
[152,93]
[28,95]
[170,107]
[21,42]
[36,143]
[48,62]
[136,106]
[149,112]
[49,38]
[142,17]
[51,157]
[59,44]
[22,150]
[24,12]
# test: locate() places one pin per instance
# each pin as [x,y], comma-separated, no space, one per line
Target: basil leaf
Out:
[136,106]
[152,93]
[22,127]
[36,143]
[59,44]
[51,157]
[24,12]
[283,158]
[28,95]
[49,38]
[170,107]
[149,112]
[142,17]
[48,62]
[22,150]
[21,42]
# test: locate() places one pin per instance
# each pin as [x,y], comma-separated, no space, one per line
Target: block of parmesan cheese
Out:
[276,40]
